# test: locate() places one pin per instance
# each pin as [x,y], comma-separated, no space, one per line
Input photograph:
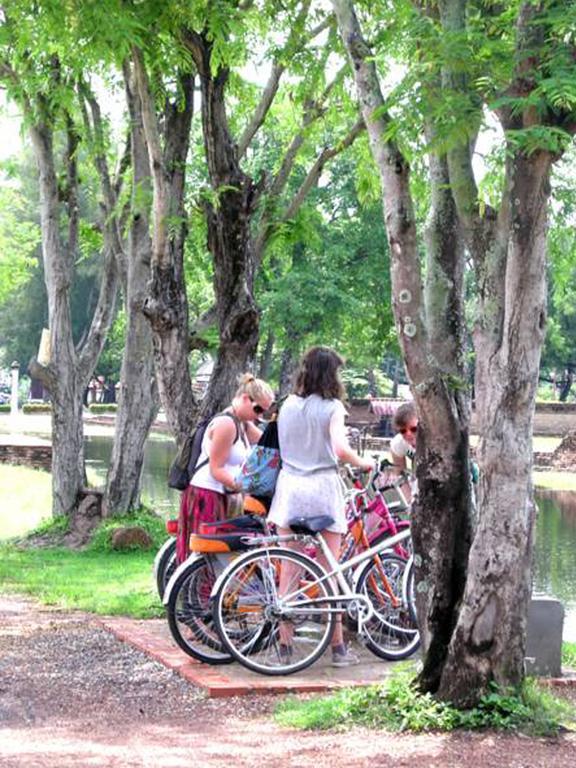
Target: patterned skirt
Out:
[197,505]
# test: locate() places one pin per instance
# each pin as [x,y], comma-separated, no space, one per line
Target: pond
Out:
[554,559]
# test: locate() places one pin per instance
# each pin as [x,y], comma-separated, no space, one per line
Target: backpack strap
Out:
[236,424]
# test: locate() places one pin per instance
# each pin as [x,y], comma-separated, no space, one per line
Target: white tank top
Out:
[203,478]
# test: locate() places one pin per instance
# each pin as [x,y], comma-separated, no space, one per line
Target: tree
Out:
[473,583]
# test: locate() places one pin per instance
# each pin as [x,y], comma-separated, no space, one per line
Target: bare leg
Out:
[334,542]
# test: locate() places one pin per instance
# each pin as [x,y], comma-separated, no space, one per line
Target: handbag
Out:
[259,472]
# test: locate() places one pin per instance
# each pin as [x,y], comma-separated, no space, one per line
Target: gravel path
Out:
[73,695]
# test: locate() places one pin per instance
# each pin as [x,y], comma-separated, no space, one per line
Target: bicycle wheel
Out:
[391,633]
[190,615]
[165,565]
[263,631]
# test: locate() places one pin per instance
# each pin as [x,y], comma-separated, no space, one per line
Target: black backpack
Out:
[185,464]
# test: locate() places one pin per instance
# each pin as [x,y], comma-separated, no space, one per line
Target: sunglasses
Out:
[405,430]
[258,410]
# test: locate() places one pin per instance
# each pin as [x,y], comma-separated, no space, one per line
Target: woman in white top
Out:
[403,444]
[226,442]
[312,438]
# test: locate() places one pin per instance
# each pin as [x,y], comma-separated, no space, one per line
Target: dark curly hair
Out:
[318,374]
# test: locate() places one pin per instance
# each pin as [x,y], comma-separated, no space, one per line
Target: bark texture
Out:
[69,371]
[229,237]
[138,403]
[473,584]
[166,305]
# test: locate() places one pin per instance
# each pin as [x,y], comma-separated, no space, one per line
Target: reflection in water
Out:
[554,556]
[157,457]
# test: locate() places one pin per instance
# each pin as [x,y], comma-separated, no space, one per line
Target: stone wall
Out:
[35,456]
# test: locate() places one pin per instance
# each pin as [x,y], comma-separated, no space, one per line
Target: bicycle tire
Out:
[245,610]
[391,633]
[164,565]
[190,616]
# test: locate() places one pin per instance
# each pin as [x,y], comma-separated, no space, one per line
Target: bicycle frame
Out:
[337,570]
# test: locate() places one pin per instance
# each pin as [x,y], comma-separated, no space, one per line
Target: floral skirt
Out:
[197,505]
[320,493]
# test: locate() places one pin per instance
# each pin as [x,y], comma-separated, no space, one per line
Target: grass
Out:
[569,655]
[26,499]
[97,579]
[100,582]
[555,481]
[398,706]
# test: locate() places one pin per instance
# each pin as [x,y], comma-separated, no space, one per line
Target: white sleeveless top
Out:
[203,478]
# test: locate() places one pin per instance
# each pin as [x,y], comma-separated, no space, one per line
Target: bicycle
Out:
[186,597]
[279,634]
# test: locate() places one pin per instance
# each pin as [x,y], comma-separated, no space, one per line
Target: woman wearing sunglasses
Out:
[225,444]
[403,444]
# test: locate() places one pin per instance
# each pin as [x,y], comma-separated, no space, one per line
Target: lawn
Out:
[107,583]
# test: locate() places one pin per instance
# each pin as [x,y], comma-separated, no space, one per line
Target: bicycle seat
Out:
[310,525]
[234,525]
[225,542]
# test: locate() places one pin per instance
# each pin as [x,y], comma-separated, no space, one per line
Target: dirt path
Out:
[73,695]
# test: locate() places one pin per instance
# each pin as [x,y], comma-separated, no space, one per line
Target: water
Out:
[555,550]
[158,454]
[555,553]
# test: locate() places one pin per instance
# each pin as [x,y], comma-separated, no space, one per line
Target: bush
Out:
[103,407]
[154,525]
[37,408]
[399,706]
[569,655]
[4,407]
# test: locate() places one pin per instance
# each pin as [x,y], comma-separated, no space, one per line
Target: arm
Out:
[253,433]
[222,435]
[341,446]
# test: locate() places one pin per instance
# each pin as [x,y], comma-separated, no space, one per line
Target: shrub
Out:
[399,706]
[569,655]
[4,407]
[152,523]
[103,407]
[37,408]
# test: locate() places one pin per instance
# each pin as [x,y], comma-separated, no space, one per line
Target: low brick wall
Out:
[35,456]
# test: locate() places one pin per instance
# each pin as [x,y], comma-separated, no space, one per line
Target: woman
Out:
[226,442]
[403,444]
[312,438]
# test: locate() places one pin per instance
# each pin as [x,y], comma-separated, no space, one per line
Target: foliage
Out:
[103,407]
[100,582]
[37,408]
[398,706]
[145,518]
[5,407]
[569,655]
[19,240]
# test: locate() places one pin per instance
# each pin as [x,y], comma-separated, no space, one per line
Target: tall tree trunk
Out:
[229,235]
[429,322]
[69,370]
[265,367]
[489,640]
[138,391]
[166,306]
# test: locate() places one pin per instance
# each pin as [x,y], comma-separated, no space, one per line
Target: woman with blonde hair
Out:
[226,442]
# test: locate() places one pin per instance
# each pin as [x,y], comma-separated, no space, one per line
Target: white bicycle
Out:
[279,631]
